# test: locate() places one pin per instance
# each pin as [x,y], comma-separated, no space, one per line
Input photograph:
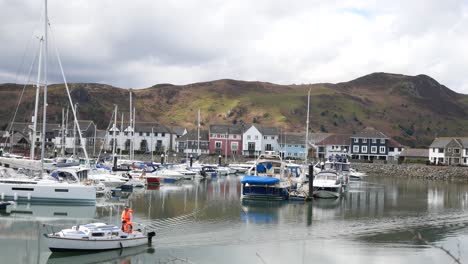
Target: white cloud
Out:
[143,42]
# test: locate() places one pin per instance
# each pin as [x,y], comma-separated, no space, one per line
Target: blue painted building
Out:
[292,146]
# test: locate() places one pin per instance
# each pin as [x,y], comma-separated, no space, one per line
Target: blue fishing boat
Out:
[267,180]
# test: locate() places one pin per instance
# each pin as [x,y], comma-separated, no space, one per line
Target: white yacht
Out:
[96,237]
[328,184]
[45,188]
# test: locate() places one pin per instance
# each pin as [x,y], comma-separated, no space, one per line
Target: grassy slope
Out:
[411,109]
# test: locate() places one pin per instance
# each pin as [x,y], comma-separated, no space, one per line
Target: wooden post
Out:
[311,182]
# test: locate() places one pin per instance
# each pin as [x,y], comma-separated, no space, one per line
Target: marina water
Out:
[205,221]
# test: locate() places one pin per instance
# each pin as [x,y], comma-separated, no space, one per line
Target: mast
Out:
[114,133]
[151,144]
[74,133]
[36,105]
[122,131]
[198,134]
[133,135]
[66,132]
[45,88]
[130,125]
[62,150]
[307,129]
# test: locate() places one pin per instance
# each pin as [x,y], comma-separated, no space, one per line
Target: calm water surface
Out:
[205,222]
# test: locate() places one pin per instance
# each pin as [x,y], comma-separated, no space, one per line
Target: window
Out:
[147,134]
[374,140]
[441,150]
[356,149]
[456,160]
[163,134]
[449,150]
[289,146]
[456,151]
[382,149]
[264,137]
[218,144]
[140,133]
[272,137]
[356,140]
[256,137]
[235,136]
[441,160]
[295,154]
[364,140]
[268,147]
[364,149]
[248,136]
[382,140]
[234,146]
[391,149]
[155,134]
[374,149]
[126,133]
[466,151]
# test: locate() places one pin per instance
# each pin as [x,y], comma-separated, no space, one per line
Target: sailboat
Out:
[44,187]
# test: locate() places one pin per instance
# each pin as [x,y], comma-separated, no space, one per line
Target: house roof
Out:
[192,135]
[336,139]
[229,129]
[292,138]
[393,143]
[369,132]
[423,153]
[179,131]
[270,131]
[441,142]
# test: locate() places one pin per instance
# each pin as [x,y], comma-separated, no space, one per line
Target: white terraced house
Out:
[258,139]
[148,136]
[449,151]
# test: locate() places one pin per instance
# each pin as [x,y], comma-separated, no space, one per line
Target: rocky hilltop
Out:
[412,109]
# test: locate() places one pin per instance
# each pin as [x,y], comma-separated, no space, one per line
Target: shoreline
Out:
[419,171]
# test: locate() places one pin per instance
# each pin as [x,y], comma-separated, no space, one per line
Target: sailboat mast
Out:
[307,129]
[36,105]
[45,89]
[114,133]
[133,135]
[130,125]
[121,132]
[74,133]
[62,150]
[198,133]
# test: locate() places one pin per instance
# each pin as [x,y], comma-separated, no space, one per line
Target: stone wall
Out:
[443,173]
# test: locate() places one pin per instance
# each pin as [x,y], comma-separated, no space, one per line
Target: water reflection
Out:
[126,255]
[205,221]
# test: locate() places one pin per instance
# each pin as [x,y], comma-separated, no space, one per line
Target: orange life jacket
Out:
[127,215]
[128,227]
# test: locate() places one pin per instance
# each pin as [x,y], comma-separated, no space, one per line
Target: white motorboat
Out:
[242,167]
[166,175]
[97,237]
[328,184]
[356,175]
[47,189]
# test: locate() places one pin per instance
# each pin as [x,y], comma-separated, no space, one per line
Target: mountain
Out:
[411,109]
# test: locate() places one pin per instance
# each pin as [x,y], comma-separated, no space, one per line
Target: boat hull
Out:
[66,193]
[265,192]
[327,193]
[60,244]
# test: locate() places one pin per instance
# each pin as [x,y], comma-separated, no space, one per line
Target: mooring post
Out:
[162,159]
[219,160]
[191,160]
[115,163]
[311,181]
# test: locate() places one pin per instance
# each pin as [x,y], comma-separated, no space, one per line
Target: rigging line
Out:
[27,47]
[105,139]
[69,96]
[20,99]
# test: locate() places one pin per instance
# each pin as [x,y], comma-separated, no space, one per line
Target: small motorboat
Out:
[3,205]
[97,237]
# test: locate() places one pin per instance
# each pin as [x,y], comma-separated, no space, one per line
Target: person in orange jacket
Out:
[127,217]
[127,227]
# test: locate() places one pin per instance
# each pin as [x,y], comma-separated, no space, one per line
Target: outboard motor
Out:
[150,236]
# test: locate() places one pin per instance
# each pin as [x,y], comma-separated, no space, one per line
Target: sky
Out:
[140,43]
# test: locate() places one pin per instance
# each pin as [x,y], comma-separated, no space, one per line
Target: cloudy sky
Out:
[139,43]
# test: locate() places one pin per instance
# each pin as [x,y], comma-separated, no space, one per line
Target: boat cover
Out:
[259,180]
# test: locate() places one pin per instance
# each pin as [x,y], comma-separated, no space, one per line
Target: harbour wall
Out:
[426,172]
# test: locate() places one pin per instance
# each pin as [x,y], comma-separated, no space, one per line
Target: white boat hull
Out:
[61,193]
[60,244]
[326,194]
